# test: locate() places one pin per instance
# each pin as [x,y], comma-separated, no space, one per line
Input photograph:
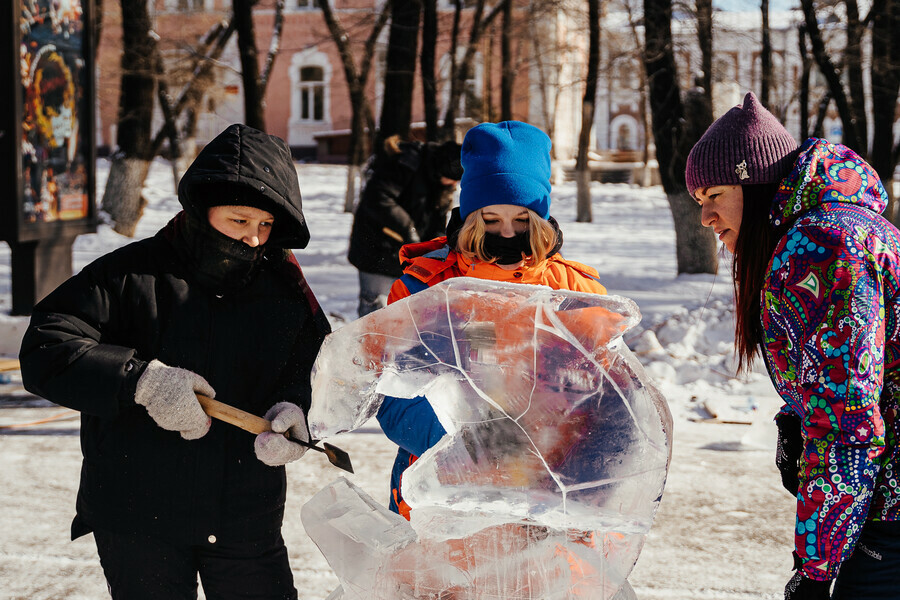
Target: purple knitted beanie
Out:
[745,146]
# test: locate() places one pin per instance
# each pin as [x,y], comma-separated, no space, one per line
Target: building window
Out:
[186,6]
[303,4]
[312,94]
[448,4]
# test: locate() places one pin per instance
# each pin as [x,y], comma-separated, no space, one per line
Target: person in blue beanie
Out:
[501,231]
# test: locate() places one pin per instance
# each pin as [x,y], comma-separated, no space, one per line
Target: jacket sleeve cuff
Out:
[133,369]
[816,570]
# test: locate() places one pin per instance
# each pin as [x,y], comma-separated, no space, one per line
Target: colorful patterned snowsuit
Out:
[831,302]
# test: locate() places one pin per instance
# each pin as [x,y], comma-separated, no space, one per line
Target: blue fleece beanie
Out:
[505,163]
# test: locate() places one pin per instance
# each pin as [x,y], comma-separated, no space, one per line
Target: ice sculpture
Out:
[554,461]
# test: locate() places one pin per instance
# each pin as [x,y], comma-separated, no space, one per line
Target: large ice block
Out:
[557,444]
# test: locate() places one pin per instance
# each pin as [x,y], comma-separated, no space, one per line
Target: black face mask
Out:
[507,251]
[219,262]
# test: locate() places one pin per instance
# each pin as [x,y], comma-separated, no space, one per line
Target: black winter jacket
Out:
[403,202]
[89,342]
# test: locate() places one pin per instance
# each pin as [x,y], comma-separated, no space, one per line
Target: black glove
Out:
[803,588]
[789,451]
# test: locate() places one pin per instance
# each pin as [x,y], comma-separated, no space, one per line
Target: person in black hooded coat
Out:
[214,303]
[405,200]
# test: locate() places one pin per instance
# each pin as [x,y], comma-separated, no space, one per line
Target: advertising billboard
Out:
[53,69]
[47,151]
[53,113]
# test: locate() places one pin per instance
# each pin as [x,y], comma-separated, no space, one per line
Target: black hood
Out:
[256,163]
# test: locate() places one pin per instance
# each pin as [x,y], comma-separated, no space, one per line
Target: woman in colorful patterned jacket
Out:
[503,222]
[816,273]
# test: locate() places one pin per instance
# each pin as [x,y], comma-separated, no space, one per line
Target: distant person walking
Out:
[214,303]
[817,293]
[405,200]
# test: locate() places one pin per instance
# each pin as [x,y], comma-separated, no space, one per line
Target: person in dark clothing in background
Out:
[214,303]
[405,200]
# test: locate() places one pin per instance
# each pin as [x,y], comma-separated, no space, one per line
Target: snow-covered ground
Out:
[723,529]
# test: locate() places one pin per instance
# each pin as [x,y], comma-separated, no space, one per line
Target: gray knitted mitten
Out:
[271,447]
[168,394]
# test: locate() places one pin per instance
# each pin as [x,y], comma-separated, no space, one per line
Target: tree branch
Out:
[274,46]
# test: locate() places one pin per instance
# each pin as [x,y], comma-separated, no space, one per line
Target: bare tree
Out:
[705,41]
[254,81]
[461,70]
[362,124]
[633,22]
[695,245]
[508,73]
[196,77]
[765,57]
[885,84]
[544,69]
[851,120]
[400,70]
[123,203]
[582,171]
[426,67]
[806,68]
[885,88]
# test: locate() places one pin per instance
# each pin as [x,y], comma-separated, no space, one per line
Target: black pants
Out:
[871,572]
[148,568]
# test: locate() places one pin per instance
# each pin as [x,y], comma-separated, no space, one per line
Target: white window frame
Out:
[301,5]
[300,129]
[171,6]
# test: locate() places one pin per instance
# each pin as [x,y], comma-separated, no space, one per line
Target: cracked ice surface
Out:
[556,453]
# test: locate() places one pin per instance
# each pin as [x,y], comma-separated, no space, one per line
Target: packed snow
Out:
[723,529]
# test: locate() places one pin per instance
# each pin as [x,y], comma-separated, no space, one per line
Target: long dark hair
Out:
[753,250]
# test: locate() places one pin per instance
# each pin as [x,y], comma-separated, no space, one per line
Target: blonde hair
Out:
[470,243]
[392,144]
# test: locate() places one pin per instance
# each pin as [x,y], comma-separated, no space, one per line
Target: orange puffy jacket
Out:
[432,262]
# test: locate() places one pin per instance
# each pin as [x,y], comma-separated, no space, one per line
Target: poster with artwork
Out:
[53,73]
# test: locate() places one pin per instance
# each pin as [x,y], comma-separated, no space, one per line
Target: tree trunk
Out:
[98,27]
[460,74]
[362,122]
[646,177]
[702,117]
[804,82]
[508,75]
[582,170]
[426,67]
[705,41]
[545,88]
[254,108]
[123,202]
[695,246]
[819,127]
[853,56]
[400,70]
[885,88]
[835,88]
[765,58]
